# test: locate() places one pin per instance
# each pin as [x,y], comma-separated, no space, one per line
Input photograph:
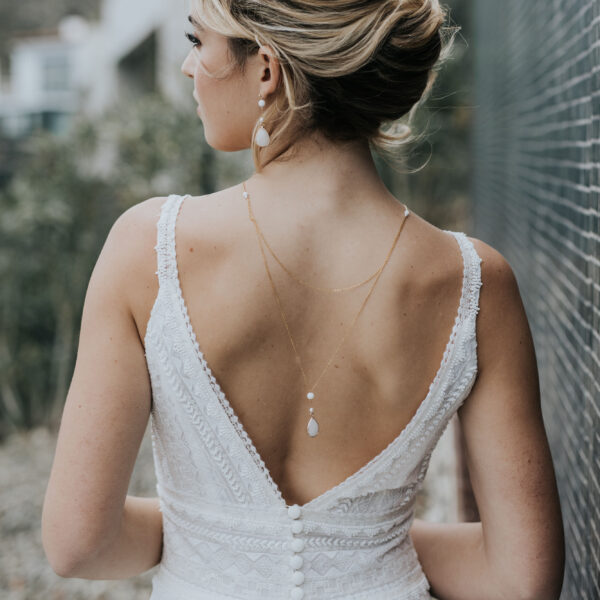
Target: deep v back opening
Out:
[253,454]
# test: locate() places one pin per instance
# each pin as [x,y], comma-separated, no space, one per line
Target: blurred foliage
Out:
[55,214]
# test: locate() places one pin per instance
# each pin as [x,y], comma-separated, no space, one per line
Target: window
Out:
[55,71]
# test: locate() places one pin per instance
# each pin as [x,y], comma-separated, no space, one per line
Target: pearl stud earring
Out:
[262,135]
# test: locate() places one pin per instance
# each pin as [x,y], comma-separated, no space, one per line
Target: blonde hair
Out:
[350,69]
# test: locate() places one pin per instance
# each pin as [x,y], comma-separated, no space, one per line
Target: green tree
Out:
[55,215]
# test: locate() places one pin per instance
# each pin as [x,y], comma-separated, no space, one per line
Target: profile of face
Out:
[227,106]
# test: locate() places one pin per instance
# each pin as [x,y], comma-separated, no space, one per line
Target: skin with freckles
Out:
[331,220]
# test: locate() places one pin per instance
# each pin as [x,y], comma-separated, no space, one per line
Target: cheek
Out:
[219,99]
[226,125]
[200,78]
[210,94]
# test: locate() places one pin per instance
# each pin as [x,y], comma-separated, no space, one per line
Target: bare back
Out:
[382,372]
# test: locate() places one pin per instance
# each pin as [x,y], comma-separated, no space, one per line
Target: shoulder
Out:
[129,251]
[127,260]
[493,262]
[131,246]
[138,222]
[135,232]
[500,287]
[501,319]
[503,331]
[132,237]
[436,251]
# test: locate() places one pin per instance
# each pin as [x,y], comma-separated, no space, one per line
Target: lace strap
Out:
[165,239]
[471,276]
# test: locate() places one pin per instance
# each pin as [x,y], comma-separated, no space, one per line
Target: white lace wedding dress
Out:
[228,533]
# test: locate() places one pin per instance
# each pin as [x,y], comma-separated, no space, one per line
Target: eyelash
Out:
[194,40]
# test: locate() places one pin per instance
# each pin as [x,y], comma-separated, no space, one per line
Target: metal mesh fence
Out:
[536,199]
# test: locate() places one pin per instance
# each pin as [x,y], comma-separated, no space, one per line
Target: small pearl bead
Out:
[310,395]
[297,593]
[261,102]
[296,561]
[298,577]
[297,527]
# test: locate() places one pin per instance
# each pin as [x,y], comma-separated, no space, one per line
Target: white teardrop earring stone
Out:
[262,137]
[312,427]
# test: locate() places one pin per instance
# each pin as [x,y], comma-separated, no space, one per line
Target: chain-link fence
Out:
[536,199]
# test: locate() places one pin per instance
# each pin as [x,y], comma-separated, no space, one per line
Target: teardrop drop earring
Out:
[262,135]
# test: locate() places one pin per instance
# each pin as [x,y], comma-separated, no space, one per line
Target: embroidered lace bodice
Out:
[228,532]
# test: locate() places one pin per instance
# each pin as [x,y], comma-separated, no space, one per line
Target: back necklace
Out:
[313,426]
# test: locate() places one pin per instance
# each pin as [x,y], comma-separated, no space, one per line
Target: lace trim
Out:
[166,261]
[474,266]
[215,450]
[316,536]
[171,250]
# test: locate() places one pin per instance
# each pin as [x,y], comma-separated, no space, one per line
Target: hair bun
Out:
[350,69]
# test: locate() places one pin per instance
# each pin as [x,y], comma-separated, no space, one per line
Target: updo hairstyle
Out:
[350,69]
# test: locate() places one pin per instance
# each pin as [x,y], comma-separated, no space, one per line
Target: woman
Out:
[303,347]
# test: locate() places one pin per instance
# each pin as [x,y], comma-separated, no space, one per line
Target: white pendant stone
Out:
[262,137]
[312,427]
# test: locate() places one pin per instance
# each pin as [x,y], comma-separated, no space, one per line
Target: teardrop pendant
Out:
[313,426]
[262,137]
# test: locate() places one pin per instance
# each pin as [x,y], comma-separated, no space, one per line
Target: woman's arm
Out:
[89,528]
[517,551]
[454,553]
[136,548]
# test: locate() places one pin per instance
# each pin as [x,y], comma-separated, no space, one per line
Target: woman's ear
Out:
[269,70]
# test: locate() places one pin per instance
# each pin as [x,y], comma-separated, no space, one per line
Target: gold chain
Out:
[380,270]
[301,281]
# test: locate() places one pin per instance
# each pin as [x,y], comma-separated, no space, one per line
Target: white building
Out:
[137,46]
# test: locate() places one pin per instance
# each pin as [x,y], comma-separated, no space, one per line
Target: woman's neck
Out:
[322,173]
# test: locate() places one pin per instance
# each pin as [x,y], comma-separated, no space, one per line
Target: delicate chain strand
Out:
[378,274]
[315,287]
[301,281]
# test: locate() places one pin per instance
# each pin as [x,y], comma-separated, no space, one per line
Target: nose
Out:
[186,66]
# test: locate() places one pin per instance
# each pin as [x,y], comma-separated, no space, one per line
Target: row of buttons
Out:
[294,513]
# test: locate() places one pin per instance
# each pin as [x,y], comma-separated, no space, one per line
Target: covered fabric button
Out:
[296,561]
[297,593]
[297,527]
[298,577]
[297,545]
[294,511]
